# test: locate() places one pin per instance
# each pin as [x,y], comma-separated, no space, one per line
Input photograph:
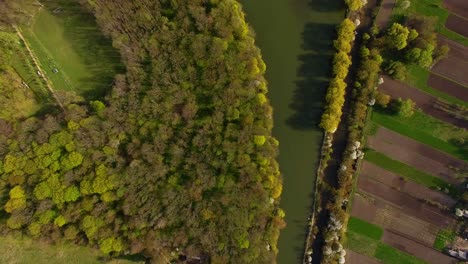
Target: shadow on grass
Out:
[96,50]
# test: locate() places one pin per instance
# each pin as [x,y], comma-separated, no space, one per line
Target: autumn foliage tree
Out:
[335,96]
[178,155]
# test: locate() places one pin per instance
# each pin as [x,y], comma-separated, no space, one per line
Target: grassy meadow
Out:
[65,38]
[27,251]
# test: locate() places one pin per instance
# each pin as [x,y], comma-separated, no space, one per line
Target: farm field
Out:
[429,104]
[433,8]
[415,167]
[71,50]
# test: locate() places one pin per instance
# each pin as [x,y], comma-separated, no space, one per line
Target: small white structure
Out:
[381,80]
[357,22]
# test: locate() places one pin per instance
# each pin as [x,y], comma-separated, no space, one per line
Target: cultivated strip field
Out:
[356,258]
[457,6]
[385,13]
[417,155]
[427,103]
[397,182]
[457,24]
[415,167]
[403,242]
[454,66]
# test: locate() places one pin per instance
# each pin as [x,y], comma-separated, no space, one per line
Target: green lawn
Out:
[432,8]
[418,78]
[390,255]
[361,244]
[27,251]
[409,172]
[443,237]
[360,226]
[427,130]
[65,37]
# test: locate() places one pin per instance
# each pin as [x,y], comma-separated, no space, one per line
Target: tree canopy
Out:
[177,160]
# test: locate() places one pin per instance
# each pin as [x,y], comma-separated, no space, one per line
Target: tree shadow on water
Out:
[313,75]
[326,5]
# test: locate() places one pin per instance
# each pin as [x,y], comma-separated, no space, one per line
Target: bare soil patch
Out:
[394,181]
[426,102]
[356,258]
[406,244]
[385,12]
[363,208]
[407,205]
[457,24]
[392,217]
[459,7]
[417,155]
[447,86]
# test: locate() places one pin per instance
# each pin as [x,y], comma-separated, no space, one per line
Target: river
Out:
[295,37]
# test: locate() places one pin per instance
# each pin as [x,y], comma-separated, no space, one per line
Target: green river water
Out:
[295,37]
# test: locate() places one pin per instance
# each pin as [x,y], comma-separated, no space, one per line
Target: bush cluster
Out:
[363,94]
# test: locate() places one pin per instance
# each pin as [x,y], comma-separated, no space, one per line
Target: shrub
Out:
[382,99]
[397,36]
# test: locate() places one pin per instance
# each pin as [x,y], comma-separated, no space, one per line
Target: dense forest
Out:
[176,162]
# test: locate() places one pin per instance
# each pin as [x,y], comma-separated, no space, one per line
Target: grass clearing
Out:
[65,37]
[27,251]
[390,255]
[427,130]
[409,172]
[443,237]
[365,228]
[432,8]
[361,244]
[418,77]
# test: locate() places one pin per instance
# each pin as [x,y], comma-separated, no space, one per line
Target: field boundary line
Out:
[448,78]
[36,62]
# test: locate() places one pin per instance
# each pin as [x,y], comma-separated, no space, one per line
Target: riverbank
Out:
[328,176]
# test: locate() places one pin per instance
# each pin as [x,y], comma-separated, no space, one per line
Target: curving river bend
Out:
[295,37]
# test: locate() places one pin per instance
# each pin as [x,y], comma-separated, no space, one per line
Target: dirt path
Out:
[424,252]
[418,191]
[459,7]
[385,13]
[427,103]
[38,67]
[457,24]
[417,155]
[356,258]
